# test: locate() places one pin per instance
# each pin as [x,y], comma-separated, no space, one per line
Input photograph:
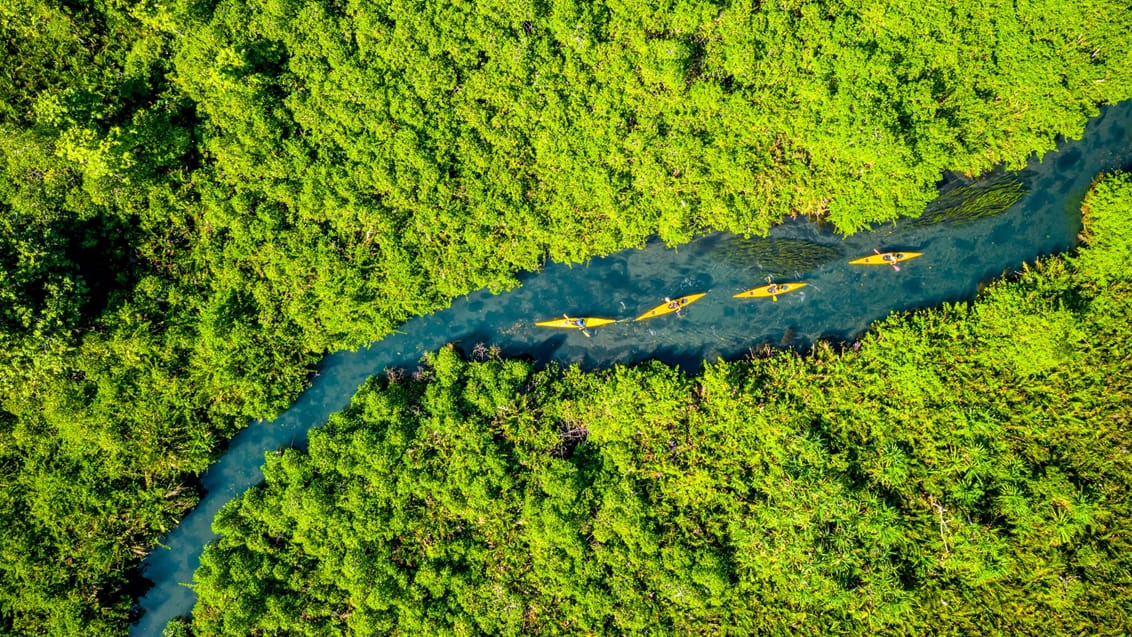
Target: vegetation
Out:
[1108,232]
[972,201]
[778,257]
[964,471]
[199,198]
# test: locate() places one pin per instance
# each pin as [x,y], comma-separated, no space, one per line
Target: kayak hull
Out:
[663,308]
[879,259]
[764,291]
[568,323]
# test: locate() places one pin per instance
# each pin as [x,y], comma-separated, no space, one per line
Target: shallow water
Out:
[839,303]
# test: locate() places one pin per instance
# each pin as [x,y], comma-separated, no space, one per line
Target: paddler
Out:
[579,323]
[891,259]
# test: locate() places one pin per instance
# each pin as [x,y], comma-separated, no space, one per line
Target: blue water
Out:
[839,303]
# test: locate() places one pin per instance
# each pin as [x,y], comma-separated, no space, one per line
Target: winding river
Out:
[964,245]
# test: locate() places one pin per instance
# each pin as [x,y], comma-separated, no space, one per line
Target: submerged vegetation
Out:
[965,471]
[778,257]
[200,198]
[973,201]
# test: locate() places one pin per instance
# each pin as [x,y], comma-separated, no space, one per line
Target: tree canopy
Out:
[964,471]
[199,198]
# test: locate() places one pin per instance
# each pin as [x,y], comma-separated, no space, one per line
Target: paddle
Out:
[582,328]
[670,302]
[892,263]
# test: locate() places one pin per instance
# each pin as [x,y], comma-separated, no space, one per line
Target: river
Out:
[963,248]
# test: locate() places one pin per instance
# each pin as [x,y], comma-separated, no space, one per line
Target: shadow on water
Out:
[977,230]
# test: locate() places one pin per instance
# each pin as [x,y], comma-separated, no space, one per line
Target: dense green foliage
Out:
[124,362]
[198,198]
[490,131]
[1108,228]
[965,471]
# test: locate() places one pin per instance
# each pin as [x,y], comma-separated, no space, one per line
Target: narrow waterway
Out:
[964,245]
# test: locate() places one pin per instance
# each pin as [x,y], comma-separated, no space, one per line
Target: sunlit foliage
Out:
[199,198]
[964,471]
[1108,229]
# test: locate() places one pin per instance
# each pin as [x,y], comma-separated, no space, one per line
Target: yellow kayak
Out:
[570,323]
[772,290]
[671,306]
[885,258]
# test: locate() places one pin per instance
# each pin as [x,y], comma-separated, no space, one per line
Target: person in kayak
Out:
[579,323]
[774,289]
[891,259]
